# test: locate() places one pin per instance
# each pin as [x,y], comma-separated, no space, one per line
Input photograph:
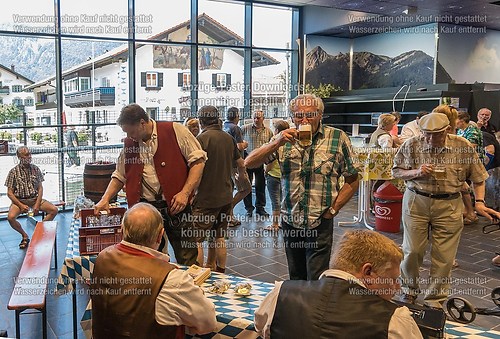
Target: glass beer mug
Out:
[305,135]
[439,172]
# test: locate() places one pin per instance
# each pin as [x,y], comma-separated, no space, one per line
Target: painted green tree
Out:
[323,90]
[9,113]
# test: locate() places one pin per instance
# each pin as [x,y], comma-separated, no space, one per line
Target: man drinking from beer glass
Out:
[310,171]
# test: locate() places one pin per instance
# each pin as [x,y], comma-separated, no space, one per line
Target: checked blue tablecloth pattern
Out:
[234,313]
[76,267]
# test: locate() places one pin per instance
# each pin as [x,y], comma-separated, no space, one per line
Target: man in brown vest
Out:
[161,163]
[137,293]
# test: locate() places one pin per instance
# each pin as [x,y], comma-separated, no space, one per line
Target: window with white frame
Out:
[17,102]
[29,102]
[221,80]
[105,82]
[77,84]
[71,85]
[17,88]
[151,79]
[84,84]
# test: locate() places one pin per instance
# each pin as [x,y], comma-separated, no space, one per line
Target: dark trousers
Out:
[180,236]
[308,250]
[260,189]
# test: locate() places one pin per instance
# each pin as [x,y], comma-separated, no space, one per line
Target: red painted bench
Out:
[30,289]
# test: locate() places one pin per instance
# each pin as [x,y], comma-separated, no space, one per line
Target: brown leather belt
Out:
[440,196]
[36,196]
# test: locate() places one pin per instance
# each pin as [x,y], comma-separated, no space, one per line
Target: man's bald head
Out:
[141,225]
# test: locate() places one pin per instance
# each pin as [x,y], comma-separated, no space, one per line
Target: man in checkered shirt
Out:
[25,190]
[311,195]
[256,134]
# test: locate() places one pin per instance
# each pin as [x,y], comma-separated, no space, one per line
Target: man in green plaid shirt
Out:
[311,195]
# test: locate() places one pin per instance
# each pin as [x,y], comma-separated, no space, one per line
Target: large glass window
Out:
[271,83]
[28,16]
[158,67]
[221,23]
[95,18]
[162,21]
[95,81]
[222,87]
[279,18]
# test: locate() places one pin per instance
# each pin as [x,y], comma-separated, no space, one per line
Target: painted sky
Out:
[389,44]
[471,57]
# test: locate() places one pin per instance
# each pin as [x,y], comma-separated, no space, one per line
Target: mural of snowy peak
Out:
[370,70]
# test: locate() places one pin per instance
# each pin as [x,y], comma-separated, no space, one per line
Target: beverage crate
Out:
[98,232]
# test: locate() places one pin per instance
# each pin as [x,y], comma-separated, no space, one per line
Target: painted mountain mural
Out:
[369,70]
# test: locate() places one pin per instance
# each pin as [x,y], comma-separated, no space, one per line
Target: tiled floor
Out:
[252,252]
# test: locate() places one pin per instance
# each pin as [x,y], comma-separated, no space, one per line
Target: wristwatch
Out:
[332,211]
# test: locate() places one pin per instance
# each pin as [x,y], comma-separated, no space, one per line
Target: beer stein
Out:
[305,135]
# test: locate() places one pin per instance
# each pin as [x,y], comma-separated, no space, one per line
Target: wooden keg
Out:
[96,177]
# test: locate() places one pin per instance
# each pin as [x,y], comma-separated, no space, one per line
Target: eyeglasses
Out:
[302,115]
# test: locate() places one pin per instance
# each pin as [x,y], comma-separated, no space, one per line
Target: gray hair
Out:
[141,224]
[307,100]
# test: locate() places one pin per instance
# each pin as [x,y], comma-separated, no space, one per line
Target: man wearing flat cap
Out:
[434,166]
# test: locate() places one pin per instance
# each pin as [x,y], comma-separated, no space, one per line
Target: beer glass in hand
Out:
[439,172]
[305,135]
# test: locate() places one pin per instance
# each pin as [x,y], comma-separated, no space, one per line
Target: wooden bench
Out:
[30,289]
[31,219]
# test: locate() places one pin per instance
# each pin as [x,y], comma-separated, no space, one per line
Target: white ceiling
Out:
[467,11]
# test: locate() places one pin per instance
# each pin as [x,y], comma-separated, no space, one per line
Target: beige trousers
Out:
[439,222]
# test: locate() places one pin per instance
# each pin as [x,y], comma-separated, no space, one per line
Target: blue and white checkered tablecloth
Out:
[234,313]
[76,267]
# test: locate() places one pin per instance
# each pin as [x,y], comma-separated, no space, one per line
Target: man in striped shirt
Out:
[311,195]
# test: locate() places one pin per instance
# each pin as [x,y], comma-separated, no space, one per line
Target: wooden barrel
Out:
[96,177]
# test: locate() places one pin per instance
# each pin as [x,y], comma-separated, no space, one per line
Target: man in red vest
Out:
[161,163]
[137,293]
